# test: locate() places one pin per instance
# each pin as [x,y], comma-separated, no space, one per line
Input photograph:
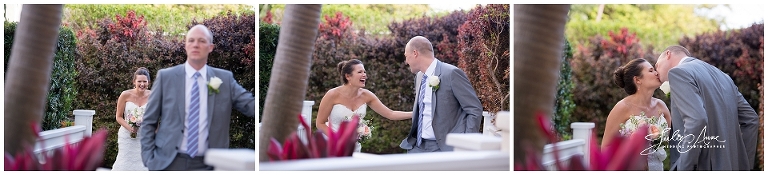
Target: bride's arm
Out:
[380,108]
[612,124]
[120,109]
[323,111]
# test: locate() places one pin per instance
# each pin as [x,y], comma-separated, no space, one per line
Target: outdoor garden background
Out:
[476,41]
[600,38]
[100,46]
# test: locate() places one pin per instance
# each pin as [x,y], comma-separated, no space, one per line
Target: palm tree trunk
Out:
[539,38]
[29,74]
[290,74]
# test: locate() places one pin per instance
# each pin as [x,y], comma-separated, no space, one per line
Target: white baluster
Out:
[85,118]
[583,130]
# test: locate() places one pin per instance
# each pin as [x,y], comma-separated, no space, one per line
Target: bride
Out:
[129,147]
[639,79]
[342,102]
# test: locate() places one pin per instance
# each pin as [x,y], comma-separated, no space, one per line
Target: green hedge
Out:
[268,37]
[62,90]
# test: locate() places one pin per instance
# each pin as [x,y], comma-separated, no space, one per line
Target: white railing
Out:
[57,138]
[306,111]
[472,151]
[231,159]
[579,145]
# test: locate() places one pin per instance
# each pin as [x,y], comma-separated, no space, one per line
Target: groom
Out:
[445,100]
[707,110]
[193,101]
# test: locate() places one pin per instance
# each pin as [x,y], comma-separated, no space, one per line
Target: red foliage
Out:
[128,27]
[340,143]
[268,17]
[483,52]
[335,26]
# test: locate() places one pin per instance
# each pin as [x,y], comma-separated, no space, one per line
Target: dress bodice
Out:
[658,125]
[341,113]
[129,107]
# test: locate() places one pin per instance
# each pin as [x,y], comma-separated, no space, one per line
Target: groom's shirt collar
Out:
[191,71]
[431,68]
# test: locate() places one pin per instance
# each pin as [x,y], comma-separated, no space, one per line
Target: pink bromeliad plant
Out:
[340,143]
[623,153]
[87,155]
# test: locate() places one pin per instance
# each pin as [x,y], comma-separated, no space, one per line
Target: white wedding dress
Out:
[128,149]
[655,156]
[340,113]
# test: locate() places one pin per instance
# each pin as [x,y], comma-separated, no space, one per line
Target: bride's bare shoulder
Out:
[620,108]
[126,93]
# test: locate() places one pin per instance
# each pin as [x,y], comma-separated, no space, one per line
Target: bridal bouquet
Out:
[363,129]
[656,128]
[135,117]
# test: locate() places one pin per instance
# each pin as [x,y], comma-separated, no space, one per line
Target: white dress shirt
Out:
[427,132]
[202,141]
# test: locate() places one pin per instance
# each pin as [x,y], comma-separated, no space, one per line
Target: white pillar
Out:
[503,124]
[583,130]
[488,127]
[306,112]
[85,118]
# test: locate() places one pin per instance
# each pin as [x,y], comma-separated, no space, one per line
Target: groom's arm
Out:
[151,117]
[748,122]
[468,101]
[242,100]
[691,106]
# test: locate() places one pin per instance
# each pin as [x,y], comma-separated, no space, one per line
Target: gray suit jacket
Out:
[166,106]
[455,107]
[703,97]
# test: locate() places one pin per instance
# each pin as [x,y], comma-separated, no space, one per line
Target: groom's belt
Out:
[432,139]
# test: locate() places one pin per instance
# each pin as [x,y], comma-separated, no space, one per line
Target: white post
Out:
[488,127]
[306,112]
[583,130]
[503,124]
[85,118]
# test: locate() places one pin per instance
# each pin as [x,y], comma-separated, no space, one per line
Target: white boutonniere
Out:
[665,88]
[434,82]
[213,85]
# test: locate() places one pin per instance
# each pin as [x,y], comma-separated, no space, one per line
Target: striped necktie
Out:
[421,107]
[194,117]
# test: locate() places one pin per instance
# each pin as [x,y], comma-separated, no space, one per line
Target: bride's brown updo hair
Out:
[141,71]
[345,67]
[624,75]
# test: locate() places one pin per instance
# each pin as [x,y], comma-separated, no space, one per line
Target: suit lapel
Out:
[181,79]
[211,96]
[438,72]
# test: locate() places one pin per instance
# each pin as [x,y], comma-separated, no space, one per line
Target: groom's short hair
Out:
[678,49]
[207,32]
[422,44]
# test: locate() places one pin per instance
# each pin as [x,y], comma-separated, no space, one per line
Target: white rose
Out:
[361,130]
[665,87]
[215,83]
[434,82]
